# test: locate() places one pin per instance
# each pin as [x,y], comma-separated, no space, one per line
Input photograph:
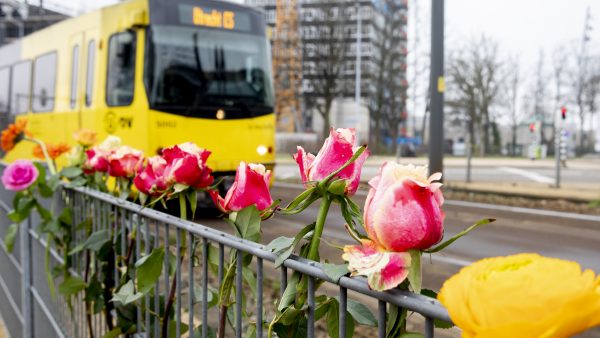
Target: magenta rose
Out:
[403,211]
[251,187]
[96,160]
[151,180]
[19,175]
[186,164]
[337,149]
[124,162]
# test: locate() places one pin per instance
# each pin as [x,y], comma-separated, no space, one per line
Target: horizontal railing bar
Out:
[413,302]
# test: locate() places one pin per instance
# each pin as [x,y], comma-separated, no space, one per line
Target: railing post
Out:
[26,299]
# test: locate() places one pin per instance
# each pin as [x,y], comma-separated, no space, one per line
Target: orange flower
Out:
[13,134]
[54,150]
[85,137]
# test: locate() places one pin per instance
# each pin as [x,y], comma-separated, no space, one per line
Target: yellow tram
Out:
[155,73]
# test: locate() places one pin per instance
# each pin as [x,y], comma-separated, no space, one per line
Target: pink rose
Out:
[96,160]
[336,151]
[151,180]
[402,212]
[124,162]
[251,186]
[403,209]
[186,164]
[19,175]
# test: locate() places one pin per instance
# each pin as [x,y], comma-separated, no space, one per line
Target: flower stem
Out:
[49,161]
[313,253]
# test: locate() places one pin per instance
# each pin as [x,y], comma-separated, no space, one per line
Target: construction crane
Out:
[287,66]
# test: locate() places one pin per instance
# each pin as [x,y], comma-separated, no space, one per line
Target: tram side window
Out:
[121,69]
[44,83]
[20,86]
[89,84]
[74,75]
[4,89]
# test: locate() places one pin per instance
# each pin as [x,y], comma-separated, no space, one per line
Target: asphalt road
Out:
[561,235]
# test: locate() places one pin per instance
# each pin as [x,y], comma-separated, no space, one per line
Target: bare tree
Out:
[387,99]
[540,92]
[511,93]
[475,80]
[325,59]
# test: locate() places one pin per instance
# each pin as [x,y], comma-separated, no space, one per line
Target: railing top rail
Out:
[413,302]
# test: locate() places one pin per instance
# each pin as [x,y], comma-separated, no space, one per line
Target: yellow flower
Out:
[524,295]
[85,137]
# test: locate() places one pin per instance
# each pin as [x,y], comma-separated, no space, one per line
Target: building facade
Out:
[330,40]
[18,19]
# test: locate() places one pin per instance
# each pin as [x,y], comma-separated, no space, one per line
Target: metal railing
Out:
[31,312]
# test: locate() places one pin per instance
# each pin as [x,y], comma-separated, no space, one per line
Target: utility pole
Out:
[436,89]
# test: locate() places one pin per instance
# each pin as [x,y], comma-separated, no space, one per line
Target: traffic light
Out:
[532,127]
[563,112]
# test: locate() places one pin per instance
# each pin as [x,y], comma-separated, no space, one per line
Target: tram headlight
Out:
[262,150]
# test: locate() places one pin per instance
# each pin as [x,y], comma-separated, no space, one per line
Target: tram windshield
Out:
[189,69]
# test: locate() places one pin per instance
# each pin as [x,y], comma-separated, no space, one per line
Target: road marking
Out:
[286,176]
[485,206]
[528,174]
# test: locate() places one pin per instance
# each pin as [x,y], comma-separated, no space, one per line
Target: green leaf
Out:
[178,187]
[322,309]
[71,286]
[211,296]
[173,328]
[460,234]
[148,269]
[227,285]
[45,214]
[248,223]
[250,279]
[298,199]
[280,244]
[114,333]
[71,172]
[414,271]
[78,182]
[289,316]
[290,292]
[127,294]
[9,237]
[41,172]
[94,242]
[361,313]
[333,321]
[192,197]
[53,182]
[335,271]
[45,190]
[349,217]
[66,216]
[305,203]
[411,335]
[284,253]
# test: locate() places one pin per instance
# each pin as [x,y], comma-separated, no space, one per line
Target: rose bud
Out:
[251,187]
[124,162]
[186,164]
[151,180]
[337,149]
